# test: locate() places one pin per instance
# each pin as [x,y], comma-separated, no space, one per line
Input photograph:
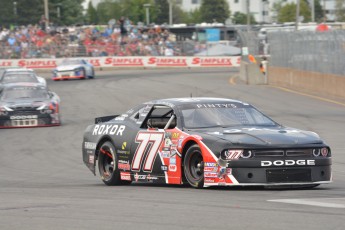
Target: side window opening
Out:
[159,118]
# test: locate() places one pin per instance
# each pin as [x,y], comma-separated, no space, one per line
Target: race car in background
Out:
[73,69]
[28,105]
[204,142]
[17,75]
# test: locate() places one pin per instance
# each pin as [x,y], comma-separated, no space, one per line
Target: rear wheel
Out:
[194,167]
[107,164]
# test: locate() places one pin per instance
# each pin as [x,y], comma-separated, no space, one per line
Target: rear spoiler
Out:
[104,119]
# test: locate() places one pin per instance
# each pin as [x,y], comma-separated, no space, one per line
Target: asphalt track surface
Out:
[44,184]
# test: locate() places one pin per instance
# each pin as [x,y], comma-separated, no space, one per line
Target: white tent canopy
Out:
[220,50]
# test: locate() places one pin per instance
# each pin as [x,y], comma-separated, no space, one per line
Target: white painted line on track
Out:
[320,202]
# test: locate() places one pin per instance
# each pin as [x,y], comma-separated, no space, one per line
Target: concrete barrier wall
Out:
[312,82]
[251,74]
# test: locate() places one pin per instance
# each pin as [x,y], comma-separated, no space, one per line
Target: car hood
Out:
[25,103]
[68,67]
[265,136]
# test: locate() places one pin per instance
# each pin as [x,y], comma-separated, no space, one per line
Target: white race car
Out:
[16,75]
[73,69]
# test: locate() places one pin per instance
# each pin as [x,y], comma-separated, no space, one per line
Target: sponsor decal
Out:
[125,176]
[124,145]
[124,165]
[216,106]
[179,143]
[91,159]
[210,174]
[167,143]
[287,163]
[150,178]
[172,168]
[212,61]
[209,180]
[23,117]
[175,135]
[172,161]
[324,152]
[164,168]
[210,164]
[139,177]
[210,169]
[90,145]
[232,154]
[165,154]
[108,129]
[163,61]
[125,61]
[95,62]
[37,63]
[229,171]
[5,63]
[119,118]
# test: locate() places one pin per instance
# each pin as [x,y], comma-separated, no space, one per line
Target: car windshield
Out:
[19,77]
[22,93]
[235,115]
[72,62]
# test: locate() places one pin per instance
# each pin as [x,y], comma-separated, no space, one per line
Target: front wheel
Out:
[194,167]
[107,164]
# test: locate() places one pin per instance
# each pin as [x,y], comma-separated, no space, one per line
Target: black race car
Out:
[28,105]
[204,142]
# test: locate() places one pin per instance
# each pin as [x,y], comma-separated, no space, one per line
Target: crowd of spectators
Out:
[120,39]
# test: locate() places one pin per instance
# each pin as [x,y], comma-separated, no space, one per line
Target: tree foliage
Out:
[340,10]
[30,12]
[287,12]
[241,18]
[214,10]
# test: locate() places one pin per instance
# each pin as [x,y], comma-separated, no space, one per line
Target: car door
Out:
[154,150]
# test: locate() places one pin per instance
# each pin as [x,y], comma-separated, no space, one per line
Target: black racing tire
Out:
[107,164]
[193,167]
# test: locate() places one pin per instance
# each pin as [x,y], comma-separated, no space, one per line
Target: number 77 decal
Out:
[148,142]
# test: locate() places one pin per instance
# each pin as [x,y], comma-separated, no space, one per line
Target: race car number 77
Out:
[148,142]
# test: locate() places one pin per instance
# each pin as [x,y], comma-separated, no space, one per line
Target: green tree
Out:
[340,10]
[276,7]
[318,11]
[162,10]
[288,12]
[91,14]
[71,11]
[241,18]
[22,13]
[214,10]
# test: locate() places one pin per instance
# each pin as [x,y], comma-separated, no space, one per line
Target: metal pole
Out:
[170,12]
[313,10]
[297,15]
[147,5]
[15,11]
[147,16]
[46,13]
[248,16]
[58,12]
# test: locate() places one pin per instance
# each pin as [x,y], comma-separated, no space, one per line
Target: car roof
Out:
[193,100]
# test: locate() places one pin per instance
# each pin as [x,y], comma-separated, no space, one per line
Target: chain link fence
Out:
[322,52]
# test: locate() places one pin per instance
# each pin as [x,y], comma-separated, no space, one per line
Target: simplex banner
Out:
[157,61]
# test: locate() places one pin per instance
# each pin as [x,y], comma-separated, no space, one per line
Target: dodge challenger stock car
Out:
[28,105]
[73,69]
[204,142]
[16,75]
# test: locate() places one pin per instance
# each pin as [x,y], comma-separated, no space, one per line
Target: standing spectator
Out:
[123,29]
[42,23]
